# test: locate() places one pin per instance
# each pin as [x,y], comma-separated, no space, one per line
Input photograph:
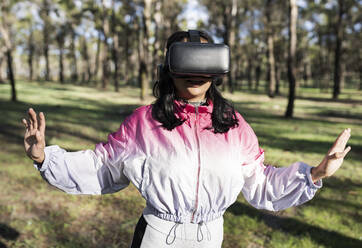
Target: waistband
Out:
[203,231]
[182,218]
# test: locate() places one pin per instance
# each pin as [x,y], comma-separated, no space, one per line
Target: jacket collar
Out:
[182,106]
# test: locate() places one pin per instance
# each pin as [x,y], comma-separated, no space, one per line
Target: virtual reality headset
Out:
[192,59]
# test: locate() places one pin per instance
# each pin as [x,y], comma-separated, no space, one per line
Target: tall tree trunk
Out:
[126,55]
[257,76]
[229,16]
[46,29]
[11,74]
[292,68]
[98,52]
[31,48]
[277,80]
[73,65]
[105,65]
[61,62]
[5,35]
[105,60]
[60,40]
[115,49]
[338,51]
[156,44]
[1,67]
[86,66]
[249,73]
[271,61]
[143,70]
[270,53]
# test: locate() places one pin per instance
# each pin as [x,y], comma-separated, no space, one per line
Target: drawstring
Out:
[174,234]
[200,235]
[199,231]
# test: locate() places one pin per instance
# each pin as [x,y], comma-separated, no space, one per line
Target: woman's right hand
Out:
[34,137]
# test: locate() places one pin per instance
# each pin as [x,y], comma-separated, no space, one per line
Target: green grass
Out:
[34,214]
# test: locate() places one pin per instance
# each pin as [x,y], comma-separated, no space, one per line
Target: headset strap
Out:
[194,36]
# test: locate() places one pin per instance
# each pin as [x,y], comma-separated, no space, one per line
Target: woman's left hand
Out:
[334,158]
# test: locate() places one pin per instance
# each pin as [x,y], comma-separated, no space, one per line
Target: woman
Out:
[189,154]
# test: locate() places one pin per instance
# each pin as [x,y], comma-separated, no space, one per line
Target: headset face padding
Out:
[198,59]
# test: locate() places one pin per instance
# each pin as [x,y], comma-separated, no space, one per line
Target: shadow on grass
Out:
[94,230]
[316,99]
[98,119]
[7,233]
[296,227]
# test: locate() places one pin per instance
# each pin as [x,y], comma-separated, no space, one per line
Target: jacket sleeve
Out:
[88,172]
[267,187]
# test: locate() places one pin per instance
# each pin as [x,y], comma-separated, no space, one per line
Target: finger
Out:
[339,155]
[346,151]
[33,118]
[42,122]
[342,139]
[29,124]
[25,123]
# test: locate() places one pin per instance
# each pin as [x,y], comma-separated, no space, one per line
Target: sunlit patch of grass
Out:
[78,117]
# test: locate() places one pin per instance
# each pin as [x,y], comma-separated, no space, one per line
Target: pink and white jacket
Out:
[188,174]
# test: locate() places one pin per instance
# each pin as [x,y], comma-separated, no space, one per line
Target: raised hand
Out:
[34,137]
[334,158]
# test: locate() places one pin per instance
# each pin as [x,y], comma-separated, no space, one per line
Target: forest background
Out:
[296,75]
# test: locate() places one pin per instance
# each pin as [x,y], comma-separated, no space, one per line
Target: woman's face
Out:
[192,89]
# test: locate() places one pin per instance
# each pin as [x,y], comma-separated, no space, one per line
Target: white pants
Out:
[153,232]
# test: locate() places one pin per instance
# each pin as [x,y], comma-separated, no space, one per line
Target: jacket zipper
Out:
[199,163]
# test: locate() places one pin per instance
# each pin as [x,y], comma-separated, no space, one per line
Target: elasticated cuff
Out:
[316,185]
[44,165]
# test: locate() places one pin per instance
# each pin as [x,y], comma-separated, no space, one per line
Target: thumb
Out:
[338,155]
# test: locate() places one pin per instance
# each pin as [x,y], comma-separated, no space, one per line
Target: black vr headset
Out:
[196,59]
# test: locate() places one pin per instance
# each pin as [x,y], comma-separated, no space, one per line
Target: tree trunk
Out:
[31,48]
[46,29]
[271,61]
[257,76]
[277,80]
[270,53]
[292,69]
[1,63]
[11,75]
[126,55]
[115,49]
[229,16]
[156,44]
[144,60]
[86,66]
[105,65]
[74,67]
[61,62]
[249,73]
[105,60]
[5,35]
[98,52]
[338,51]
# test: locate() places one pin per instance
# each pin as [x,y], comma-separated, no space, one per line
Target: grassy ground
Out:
[33,214]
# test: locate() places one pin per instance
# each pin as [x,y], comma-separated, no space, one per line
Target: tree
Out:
[44,14]
[343,9]
[144,32]
[5,32]
[60,38]
[292,69]
[270,42]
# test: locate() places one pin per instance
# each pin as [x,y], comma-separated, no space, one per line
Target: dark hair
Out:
[223,115]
